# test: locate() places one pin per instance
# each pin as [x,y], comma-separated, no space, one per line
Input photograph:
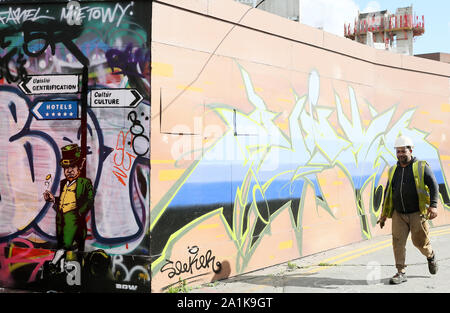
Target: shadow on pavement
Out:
[309,281]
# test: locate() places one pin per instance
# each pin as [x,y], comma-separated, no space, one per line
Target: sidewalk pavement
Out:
[363,267]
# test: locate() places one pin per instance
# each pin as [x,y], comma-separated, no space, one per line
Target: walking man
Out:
[410,200]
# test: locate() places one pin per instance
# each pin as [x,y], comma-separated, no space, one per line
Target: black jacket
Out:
[404,192]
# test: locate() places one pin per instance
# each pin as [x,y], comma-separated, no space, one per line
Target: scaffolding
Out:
[382,30]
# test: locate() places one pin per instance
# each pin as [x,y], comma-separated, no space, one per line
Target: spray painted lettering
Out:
[73,13]
[204,261]
[139,141]
[18,16]
[120,164]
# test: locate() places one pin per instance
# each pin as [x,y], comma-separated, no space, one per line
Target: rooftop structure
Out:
[382,30]
[437,56]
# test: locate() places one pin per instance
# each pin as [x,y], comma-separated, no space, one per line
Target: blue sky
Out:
[332,14]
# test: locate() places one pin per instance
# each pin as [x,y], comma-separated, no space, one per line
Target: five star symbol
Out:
[59,114]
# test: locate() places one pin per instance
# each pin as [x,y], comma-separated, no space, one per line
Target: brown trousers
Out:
[402,224]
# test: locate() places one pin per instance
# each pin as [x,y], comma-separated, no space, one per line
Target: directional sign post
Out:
[56,110]
[50,84]
[115,98]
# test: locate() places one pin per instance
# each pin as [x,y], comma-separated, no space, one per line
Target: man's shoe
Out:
[432,264]
[398,279]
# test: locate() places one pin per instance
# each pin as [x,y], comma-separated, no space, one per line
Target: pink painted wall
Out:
[271,140]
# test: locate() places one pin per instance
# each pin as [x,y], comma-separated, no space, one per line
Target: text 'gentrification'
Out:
[51,87]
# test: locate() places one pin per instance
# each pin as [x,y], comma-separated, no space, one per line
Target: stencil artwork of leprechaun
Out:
[76,199]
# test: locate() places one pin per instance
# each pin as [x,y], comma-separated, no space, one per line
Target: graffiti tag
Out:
[19,15]
[119,163]
[204,261]
[138,135]
[74,14]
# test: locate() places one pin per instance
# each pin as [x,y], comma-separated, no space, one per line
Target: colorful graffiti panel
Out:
[75,147]
[257,161]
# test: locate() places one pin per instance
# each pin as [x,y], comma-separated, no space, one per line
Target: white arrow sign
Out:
[115,98]
[50,84]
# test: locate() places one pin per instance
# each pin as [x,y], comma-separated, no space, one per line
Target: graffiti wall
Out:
[272,140]
[74,145]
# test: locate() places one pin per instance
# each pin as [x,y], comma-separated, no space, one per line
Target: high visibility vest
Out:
[422,190]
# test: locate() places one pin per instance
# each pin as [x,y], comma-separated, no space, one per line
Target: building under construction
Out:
[383,30]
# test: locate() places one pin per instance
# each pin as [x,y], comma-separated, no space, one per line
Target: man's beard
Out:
[404,160]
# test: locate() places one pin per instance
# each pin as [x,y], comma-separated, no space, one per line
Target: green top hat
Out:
[71,155]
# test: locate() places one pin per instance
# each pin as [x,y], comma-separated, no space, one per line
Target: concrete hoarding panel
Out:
[271,140]
[112,40]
